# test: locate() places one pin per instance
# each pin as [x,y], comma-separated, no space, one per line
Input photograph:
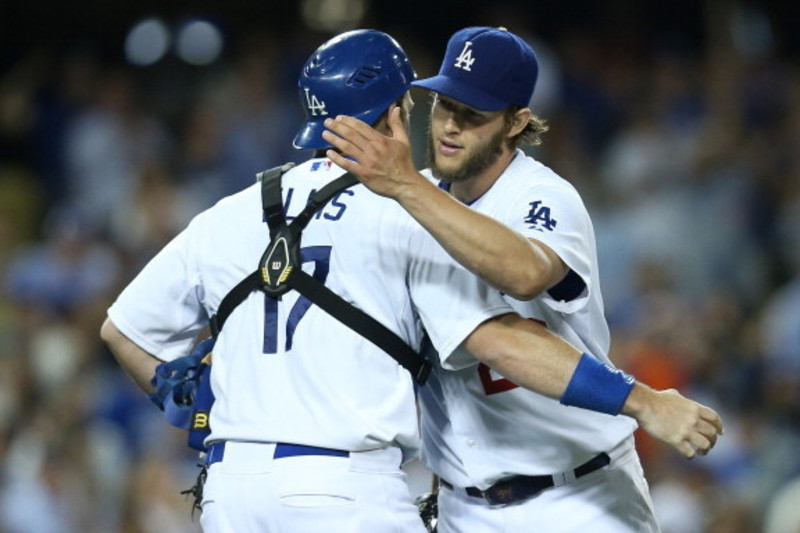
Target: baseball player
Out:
[508,459]
[311,421]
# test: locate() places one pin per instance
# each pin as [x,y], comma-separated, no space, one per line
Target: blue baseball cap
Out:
[486,68]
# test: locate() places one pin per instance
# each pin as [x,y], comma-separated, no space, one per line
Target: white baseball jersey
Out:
[478,427]
[286,371]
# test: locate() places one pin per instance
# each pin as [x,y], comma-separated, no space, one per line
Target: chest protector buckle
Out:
[279,259]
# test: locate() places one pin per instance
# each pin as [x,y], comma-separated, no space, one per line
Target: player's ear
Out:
[518,121]
[406,105]
[382,124]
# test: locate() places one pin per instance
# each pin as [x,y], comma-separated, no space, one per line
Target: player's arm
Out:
[513,264]
[138,363]
[533,357]
[518,266]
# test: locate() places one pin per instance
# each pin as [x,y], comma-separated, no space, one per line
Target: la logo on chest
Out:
[465,60]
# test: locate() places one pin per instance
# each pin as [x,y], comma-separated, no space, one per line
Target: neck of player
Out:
[470,189]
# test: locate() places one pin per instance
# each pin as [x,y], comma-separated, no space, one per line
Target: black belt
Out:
[518,488]
[216,451]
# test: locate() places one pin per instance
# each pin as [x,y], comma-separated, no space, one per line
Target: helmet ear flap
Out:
[358,73]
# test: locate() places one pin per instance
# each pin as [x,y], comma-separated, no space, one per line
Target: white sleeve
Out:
[555,215]
[161,310]
[450,300]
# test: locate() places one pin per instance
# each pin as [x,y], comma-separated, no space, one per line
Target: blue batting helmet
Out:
[358,73]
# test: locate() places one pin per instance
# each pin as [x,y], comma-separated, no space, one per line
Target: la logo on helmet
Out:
[314,105]
[465,60]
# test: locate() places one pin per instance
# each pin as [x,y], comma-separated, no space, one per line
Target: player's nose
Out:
[451,124]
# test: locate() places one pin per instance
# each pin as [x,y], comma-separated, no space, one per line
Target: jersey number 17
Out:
[320,256]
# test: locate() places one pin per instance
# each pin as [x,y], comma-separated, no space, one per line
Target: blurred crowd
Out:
[688,159]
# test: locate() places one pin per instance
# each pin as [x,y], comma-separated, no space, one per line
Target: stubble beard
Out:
[483,157]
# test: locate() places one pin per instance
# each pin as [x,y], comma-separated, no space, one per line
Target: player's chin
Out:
[448,168]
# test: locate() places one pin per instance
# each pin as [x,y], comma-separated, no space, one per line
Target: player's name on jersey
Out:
[333,210]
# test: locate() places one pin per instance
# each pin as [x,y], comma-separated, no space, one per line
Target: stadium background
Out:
[678,121]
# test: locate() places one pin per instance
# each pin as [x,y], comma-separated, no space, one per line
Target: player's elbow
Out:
[104,331]
[489,343]
[527,277]
[526,284]
[530,280]
[525,290]
[109,333]
[493,358]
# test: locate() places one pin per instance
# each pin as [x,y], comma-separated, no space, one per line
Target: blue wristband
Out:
[598,387]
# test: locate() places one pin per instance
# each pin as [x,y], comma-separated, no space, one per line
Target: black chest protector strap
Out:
[280,270]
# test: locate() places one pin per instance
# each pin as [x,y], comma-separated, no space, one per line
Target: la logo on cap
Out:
[465,60]
[504,75]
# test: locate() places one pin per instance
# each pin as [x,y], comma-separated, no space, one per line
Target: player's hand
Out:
[689,427]
[382,163]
